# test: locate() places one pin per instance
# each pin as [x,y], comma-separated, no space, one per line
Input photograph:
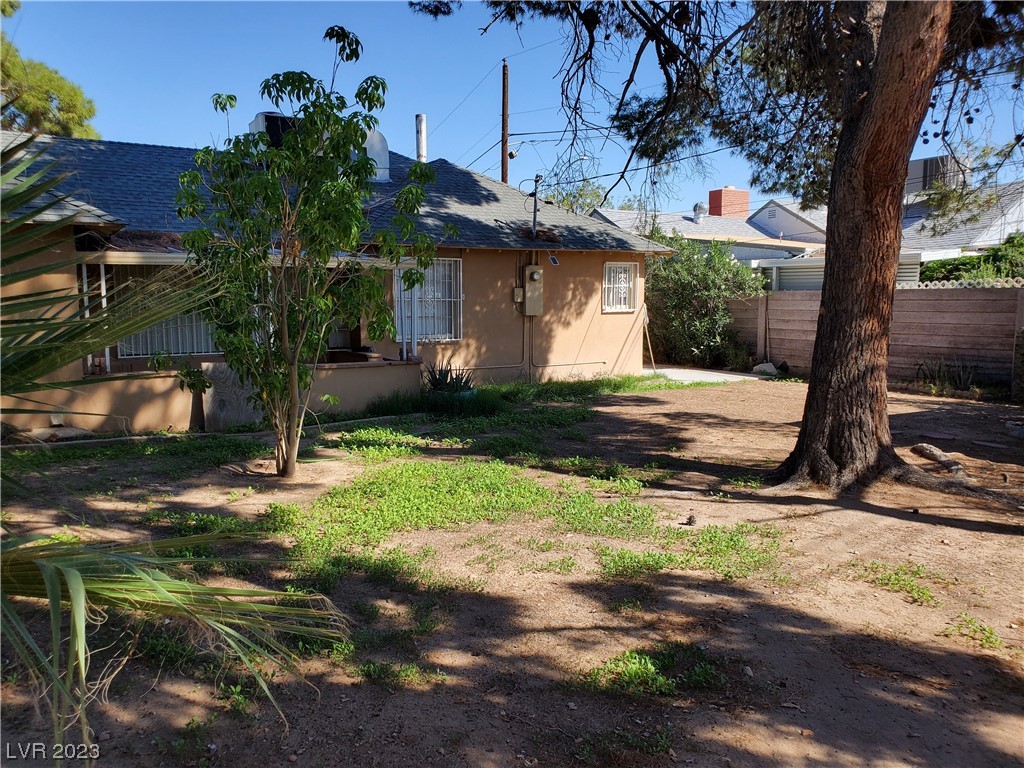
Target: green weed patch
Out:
[904,578]
[376,444]
[584,390]
[968,626]
[662,670]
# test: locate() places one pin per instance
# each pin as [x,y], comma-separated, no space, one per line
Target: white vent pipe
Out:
[421,138]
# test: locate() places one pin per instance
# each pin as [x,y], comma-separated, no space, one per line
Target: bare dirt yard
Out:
[599,582]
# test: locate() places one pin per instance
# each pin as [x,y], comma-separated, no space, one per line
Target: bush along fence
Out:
[975,335]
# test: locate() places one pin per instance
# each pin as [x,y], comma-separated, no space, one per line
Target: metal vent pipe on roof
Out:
[421,138]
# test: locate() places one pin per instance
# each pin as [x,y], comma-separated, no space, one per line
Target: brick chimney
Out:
[729,201]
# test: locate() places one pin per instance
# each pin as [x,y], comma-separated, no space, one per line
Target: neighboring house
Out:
[509,305]
[925,237]
[747,242]
[787,243]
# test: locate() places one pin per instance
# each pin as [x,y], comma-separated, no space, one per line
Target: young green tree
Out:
[282,229]
[40,98]
[826,100]
[580,197]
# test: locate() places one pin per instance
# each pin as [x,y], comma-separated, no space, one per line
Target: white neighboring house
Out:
[747,242]
[785,218]
[787,243]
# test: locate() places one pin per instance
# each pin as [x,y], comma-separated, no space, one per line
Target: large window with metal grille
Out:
[620,286]
[179,335]
[431,311]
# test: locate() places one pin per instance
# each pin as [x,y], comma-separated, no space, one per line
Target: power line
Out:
[1007,164]
[484,153]
[465,99]
[649,166]
[641,216]
[534,48]
[562,131]
[472,146]
[1016,164]
[529,111]
[486,75]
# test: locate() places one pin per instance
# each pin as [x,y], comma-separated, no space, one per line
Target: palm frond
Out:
[88,581]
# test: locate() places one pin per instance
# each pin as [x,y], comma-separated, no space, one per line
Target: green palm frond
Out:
[42,331]
[88,581]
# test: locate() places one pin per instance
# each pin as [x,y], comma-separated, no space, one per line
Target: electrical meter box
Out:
[533,282]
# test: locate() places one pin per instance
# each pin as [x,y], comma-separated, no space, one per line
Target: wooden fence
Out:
[977,326]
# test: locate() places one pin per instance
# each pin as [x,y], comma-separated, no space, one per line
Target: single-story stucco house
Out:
[568,302]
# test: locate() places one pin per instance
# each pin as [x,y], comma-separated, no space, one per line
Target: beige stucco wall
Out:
[142,403]
[148,402]
[61,278]
[138,404]
[356,385]
[571,338]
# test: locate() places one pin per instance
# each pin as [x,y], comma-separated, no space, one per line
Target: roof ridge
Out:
[51,138]
[488,179]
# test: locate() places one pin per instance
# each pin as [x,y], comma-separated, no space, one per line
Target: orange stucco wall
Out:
[571,338]
[61,278]
[143,403]
[148,403]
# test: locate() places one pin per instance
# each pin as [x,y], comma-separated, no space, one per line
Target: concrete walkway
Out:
[691,375]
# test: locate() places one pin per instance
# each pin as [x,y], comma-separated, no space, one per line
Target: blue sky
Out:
[151,67]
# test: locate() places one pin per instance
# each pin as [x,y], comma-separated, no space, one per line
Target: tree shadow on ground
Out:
[819,694]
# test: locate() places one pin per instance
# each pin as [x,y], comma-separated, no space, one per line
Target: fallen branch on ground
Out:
[947,462]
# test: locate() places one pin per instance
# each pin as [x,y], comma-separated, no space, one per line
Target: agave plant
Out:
[41,332]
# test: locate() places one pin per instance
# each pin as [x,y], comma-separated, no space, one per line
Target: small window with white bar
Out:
[620,286]
[432,311]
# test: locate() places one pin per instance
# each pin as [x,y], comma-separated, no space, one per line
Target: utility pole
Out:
[536,200]
[504,121]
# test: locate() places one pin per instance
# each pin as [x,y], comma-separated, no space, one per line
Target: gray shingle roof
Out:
[816,217]
[683,223]
[138,184]
[134,183]
[489,214]
[64,204]
[70,206]
[966,231]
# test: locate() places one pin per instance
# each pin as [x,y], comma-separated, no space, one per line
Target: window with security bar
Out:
[432,310]
[177,336]
[620,287]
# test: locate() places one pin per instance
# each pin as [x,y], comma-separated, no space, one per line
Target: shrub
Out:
[687,296]
[1005,260]
[444,376]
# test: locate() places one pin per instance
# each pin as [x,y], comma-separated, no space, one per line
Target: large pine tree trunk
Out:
[844,438]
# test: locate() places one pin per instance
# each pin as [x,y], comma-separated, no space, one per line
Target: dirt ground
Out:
[825,668]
